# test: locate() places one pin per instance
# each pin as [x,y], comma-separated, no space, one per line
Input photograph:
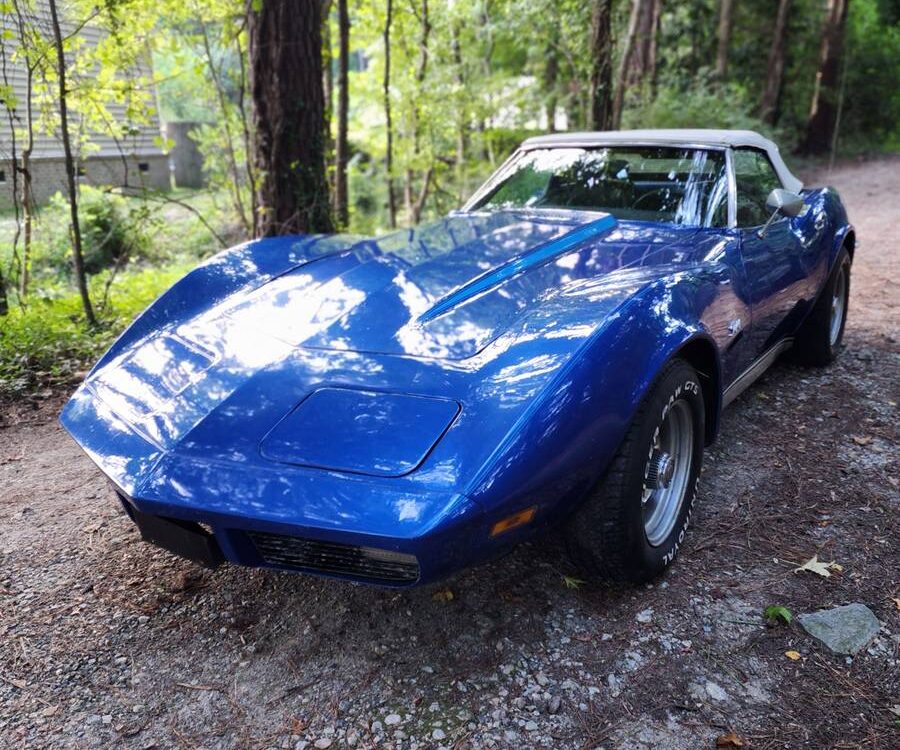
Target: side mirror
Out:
[781,203]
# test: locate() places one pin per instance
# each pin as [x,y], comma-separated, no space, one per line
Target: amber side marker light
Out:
[514,521]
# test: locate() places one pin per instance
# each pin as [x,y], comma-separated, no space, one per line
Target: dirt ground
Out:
[107,642]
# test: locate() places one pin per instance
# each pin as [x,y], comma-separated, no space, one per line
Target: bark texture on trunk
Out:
[77,253]
[723,36]
[289,115]
[459,77]
[551,75]
[340,143]
[771,97]
[4,301]
[389,127]
[328,84]
[412,203]
[642,61]
[627,50]
[820,127]
[601,105]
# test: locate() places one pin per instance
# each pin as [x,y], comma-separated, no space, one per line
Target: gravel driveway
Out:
[108,642]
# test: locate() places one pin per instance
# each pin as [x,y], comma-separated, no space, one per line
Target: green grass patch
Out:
[49,343]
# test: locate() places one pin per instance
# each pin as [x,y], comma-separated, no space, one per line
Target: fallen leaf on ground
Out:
[861,440]
[444,595]
[732,739]
[897,603]
[818,567]
[792,655]
[895,710]
[572,583]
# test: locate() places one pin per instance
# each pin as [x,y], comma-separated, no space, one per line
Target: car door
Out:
[778,262]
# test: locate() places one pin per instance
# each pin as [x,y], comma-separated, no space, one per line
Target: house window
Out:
[2,175]
[80,171]
[143,166]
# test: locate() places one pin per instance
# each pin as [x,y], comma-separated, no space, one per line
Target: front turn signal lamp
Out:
[520,518]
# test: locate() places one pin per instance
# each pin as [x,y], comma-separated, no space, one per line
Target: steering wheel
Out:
[655,191]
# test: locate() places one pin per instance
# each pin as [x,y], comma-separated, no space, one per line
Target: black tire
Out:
[606,537]
[815,343]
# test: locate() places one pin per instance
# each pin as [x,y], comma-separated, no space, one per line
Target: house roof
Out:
[672,137]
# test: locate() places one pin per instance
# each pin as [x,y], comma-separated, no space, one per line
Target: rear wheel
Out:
[633,523]
[819,339]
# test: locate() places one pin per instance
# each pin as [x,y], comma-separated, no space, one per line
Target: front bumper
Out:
[197,543]
[210,539]
[209,509]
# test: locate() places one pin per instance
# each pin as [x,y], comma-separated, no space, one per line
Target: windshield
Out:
[673,184]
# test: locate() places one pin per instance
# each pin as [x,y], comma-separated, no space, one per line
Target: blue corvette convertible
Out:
[557,352]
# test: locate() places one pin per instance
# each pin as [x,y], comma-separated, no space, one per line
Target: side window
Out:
[755,178]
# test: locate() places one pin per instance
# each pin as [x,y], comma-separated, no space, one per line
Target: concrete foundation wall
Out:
[187,161]
[49,175]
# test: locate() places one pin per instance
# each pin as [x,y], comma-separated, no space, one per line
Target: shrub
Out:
[113,231]
[704,105]
[48,342]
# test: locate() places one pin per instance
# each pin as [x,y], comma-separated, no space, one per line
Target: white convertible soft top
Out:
[673,137]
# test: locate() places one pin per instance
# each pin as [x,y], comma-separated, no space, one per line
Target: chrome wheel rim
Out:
[667,472]
[838,303]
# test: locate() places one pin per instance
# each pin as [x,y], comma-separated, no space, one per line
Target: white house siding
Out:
[102,161]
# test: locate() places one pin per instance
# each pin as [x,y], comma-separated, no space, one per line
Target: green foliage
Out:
[48,342]
[775,613]
[570,582]
[702,106]
[871,113]
[114,231]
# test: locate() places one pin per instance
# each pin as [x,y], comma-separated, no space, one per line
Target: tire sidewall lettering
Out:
[678,534]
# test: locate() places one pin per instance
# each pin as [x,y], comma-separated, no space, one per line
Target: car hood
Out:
[414,312]
[442,291]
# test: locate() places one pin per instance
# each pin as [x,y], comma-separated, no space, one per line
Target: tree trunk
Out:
[340,142]
[289,116]
[642,61]
[551,75]
[77,254]
[771,97]
[13,156]
[248,138]
[601,67]
[723,35]
[820,127]
[27,194]
[389,135]
[4,300]
[550,78]
[414,205]
[619,99]
[459,77]
[328,86]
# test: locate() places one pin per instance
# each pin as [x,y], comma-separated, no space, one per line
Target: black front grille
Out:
[363,563]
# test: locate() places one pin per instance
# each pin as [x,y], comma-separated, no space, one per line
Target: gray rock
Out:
[438,734]
[554,704]
[392,719]
[716,692]
[845,630]
[531,726]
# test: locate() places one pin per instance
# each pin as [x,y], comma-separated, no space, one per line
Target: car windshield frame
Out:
[513,165]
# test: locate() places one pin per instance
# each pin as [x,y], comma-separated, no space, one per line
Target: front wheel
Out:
[632,525]
[819,339]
